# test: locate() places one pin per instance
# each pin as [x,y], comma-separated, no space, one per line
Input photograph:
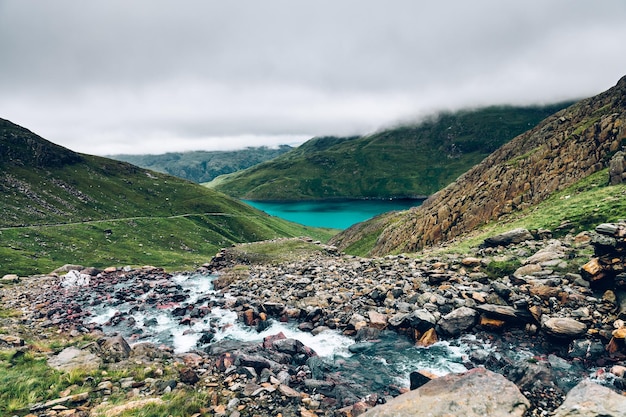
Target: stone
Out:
[377,320]
[419,378]
[475,393]
[588,399]
[529,269]
[471,261]
[75,279]
[508,238]
[115,349]
[188,376]
[617,168]
[288,391]
[506,313]
[458,321]
[593,267]
[428,338]
[76,398]
[564,327]
[72,358]
[10,278]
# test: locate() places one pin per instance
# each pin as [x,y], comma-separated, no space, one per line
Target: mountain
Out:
[407,161]
[204,166]
[59,207]
[560,152]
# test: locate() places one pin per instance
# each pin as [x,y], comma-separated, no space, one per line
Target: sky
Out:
[152,76]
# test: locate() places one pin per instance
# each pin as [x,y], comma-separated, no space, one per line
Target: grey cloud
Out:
[137,72]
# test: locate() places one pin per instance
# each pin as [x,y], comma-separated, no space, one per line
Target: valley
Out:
[127,292]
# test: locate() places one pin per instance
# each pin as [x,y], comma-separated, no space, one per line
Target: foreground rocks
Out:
[547,326]
[456,394]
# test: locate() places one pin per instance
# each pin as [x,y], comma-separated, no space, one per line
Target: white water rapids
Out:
[398,355]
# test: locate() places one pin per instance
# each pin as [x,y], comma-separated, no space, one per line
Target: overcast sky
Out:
[121,76]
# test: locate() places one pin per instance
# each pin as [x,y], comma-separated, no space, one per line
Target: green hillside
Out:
[61,207]
[204,166]
[407,161]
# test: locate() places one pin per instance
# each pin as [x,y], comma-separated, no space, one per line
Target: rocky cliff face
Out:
[561,150]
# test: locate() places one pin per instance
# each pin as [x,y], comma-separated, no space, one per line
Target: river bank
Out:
[519,306]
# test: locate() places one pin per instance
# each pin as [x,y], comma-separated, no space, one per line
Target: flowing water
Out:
[335,214]
[388,360]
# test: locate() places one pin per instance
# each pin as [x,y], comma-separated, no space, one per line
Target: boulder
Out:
[475,393]
[564,327]
[457,321]
[508,238]
[377,320]
[73,358]
[588,399]
[420,319]
[115,349]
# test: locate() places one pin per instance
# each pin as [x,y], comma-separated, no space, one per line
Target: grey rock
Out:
[72,358]
[564,327]
[115,349]
[457,321]
[588,399]
[508,238]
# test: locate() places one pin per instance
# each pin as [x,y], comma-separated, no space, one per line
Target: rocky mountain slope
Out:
[406,161]
[566,147]
[203,166]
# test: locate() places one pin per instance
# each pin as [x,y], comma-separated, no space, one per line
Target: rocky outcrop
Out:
[563,149]
[456,395]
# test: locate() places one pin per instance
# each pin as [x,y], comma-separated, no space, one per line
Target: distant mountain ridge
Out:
[406,161]
[204,166]
[563,149]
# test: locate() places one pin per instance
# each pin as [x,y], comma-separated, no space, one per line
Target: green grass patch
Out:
[275,252]
[178,243]
[26,379]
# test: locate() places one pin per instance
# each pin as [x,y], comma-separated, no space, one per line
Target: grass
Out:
[61,207]
[406,161]
[26,379]
[275,252]
[179,243]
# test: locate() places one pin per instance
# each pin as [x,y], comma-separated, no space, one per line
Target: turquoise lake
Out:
[336,214]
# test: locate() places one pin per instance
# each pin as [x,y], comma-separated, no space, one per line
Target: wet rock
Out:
[457,395]
[588,399]
[419,378]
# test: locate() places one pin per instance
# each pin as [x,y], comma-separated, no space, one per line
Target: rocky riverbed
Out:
[520,306]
